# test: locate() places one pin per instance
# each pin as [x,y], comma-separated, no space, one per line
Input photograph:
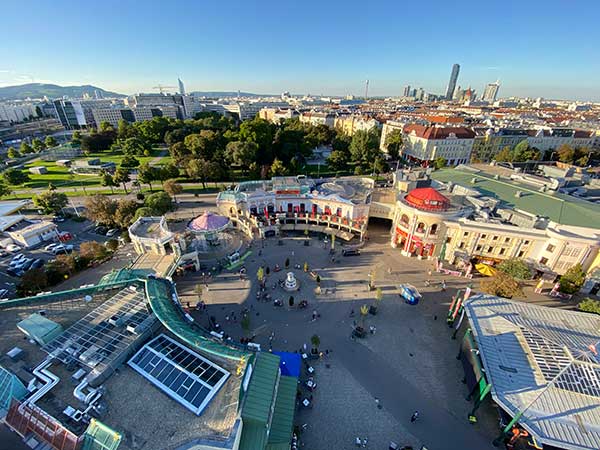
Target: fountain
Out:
[291,283]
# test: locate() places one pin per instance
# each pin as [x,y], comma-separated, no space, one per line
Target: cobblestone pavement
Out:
[409,363]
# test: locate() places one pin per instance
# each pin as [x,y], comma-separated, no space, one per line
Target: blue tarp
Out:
[289,364]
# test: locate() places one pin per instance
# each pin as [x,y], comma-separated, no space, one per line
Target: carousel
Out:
[209,231]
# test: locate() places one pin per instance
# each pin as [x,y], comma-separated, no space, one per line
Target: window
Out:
[543,260]
[490,249]
[506,240]
[478,248]
[421,227]
[495,238]
[502,251]
[404,219]
[461,245]
[448,240]
[466,233]
[433,229]
[550,248]
[483,236]
[521,253]
[526,243]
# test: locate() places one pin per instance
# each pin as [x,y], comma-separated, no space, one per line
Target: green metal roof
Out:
[10,387]
[563,209]
[124,274]
[283,416]
[261,390]
[100,437]
[40,329]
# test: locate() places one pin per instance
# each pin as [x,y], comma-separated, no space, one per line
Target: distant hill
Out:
[227,94]
[39,90]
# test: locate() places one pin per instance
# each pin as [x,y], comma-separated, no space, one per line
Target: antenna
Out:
[367,90]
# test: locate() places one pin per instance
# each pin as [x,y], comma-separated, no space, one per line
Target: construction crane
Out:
[161,88]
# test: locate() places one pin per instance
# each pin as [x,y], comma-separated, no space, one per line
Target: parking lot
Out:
[80,232]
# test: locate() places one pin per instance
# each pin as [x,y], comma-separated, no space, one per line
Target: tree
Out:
[260,132]
[516,268]
[393,143]
[364,311]
[260,275]
[159,203]
[143,212]
[130,162]
[572,280]
[32,282]
[15,177]
[98,142]
[106,179]
[25,148]
[122,176]
[590,305]
[173,188]
[106,126]
[179,151]
[203,170]
[50,142]
[12,153]
[125,130]
[502,285]
[101,209]
[203,144]
[76,138]
[37,145]
[338,160]
[134,146]
[523,152]
[566,153]
[505,155]
[50,201]
[241,153]
[168,171]
[125,212]
[147,174]
[4,189]
[277,168]
[440,162]
[315,340]
[364,148]
[92,251]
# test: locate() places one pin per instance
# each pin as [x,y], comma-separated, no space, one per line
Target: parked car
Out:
[101,230]
[38,263]
[51,247]
[410,294]
[62,249]
[3,253]
[58,219]
[18,261]
[4,293]
[12,248]
[23,263]
[27,264]
[351,252]
[16,258]
[65,236]
[12,271]
[112,232]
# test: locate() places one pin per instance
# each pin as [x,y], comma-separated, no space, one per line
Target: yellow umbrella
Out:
[484,269]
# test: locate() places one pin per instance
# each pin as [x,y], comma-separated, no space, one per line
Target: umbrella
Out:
[486,270]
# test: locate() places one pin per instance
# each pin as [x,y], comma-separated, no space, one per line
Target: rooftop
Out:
[543,363]
[562,209]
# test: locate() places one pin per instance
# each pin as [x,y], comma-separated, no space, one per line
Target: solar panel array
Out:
[181,373]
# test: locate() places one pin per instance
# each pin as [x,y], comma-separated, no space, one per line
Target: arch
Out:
[433,229]
[404,220]
[421,227]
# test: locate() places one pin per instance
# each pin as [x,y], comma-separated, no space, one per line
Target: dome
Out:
[427,198]
[208,222]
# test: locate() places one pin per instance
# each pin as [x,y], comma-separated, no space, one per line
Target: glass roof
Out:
[181,373]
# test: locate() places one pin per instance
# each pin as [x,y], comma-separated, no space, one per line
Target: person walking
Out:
[414,416]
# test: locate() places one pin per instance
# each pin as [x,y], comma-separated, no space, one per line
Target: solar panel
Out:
[181,373]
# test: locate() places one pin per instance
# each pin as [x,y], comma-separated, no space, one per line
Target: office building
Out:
[17,113]
[406,92]
[181,86]
[452,82]
[113,115]
[491,91]
[78,114]
[424,144]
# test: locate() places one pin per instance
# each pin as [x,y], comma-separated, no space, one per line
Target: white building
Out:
[17,113]
[318,118]
[427,143]
[30,234]
[491,92]
[552,138]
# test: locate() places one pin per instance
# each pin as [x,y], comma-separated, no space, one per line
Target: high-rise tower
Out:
[452,82]
[181,86]
[491,91]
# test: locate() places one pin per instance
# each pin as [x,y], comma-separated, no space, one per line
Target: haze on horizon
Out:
[535,48]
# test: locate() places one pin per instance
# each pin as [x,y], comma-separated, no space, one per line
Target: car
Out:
[101,230]
[12,271]
[17,262]
[351,252]
[27,264]
[38,263]
[62,249]
[3,253]
[4,293]
[16,258]
[410,294]
[51,247]
[65,236]
[12,248]
[112,232]
[58,219]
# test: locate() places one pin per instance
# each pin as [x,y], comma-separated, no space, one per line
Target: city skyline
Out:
[218,48]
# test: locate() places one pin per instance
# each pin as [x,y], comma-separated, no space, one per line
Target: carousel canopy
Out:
[427,198]
[208,222]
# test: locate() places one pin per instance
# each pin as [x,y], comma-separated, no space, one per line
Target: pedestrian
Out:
[304,347]
[414,416]
[352,313]
[443,285]
[429,272]
[314,315]
[389,270]
[293,253]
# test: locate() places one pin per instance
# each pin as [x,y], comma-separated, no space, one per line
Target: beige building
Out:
[424,144]
[353,123]
[318,118]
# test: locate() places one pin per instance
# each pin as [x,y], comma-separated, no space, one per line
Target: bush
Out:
[112,245]
[516,268]
[502,285]
[590,305]
[572,280]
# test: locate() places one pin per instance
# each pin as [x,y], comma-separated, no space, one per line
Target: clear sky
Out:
[547,48]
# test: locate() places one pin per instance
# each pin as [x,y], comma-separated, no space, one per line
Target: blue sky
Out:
[535,48]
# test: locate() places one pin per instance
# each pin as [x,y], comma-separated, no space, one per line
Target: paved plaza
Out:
[408,364]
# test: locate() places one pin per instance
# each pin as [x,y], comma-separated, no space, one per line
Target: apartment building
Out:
[489,142]
[350,124]
[318,118]
[549,139]
[424,144]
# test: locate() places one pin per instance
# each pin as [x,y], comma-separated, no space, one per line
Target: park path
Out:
[436,427]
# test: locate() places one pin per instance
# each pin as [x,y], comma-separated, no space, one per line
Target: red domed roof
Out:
[427,198]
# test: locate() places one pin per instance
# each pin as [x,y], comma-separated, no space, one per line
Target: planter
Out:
[373,310]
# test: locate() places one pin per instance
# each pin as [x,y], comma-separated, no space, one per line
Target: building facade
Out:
[424,144]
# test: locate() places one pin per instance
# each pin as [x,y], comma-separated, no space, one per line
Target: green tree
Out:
[4,189]
[37,145]
[147,174]
[278,168]
[173,188]
[107,179]
[143,212]
[92,250]
[241,153]
[572,280]
[204,144]
[76,138]
[15,177]
[440,162]
[50,142]
[364,148]
[125,212]
[32,282]
[50,201]
[129,162]
[523,152]
[502,285]
[589,305]
[566,153]
[168,171]
[203,170]
[338,160]
[516,268]
[106,126]
[122,176]
[134,146]
[12,153]
[393,143]
[261,132]
[179,152]
[25,148]
[101,209]
[159,203]
[315,340]
[125,130]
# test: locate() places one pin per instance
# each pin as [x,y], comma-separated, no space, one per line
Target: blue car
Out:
[410,294]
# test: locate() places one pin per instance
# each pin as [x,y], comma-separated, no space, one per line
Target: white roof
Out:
[9,207]
[542,362]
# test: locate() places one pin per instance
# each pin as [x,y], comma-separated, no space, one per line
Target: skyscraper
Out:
[406,92]
[452,82]
[181,86]
[491,91]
